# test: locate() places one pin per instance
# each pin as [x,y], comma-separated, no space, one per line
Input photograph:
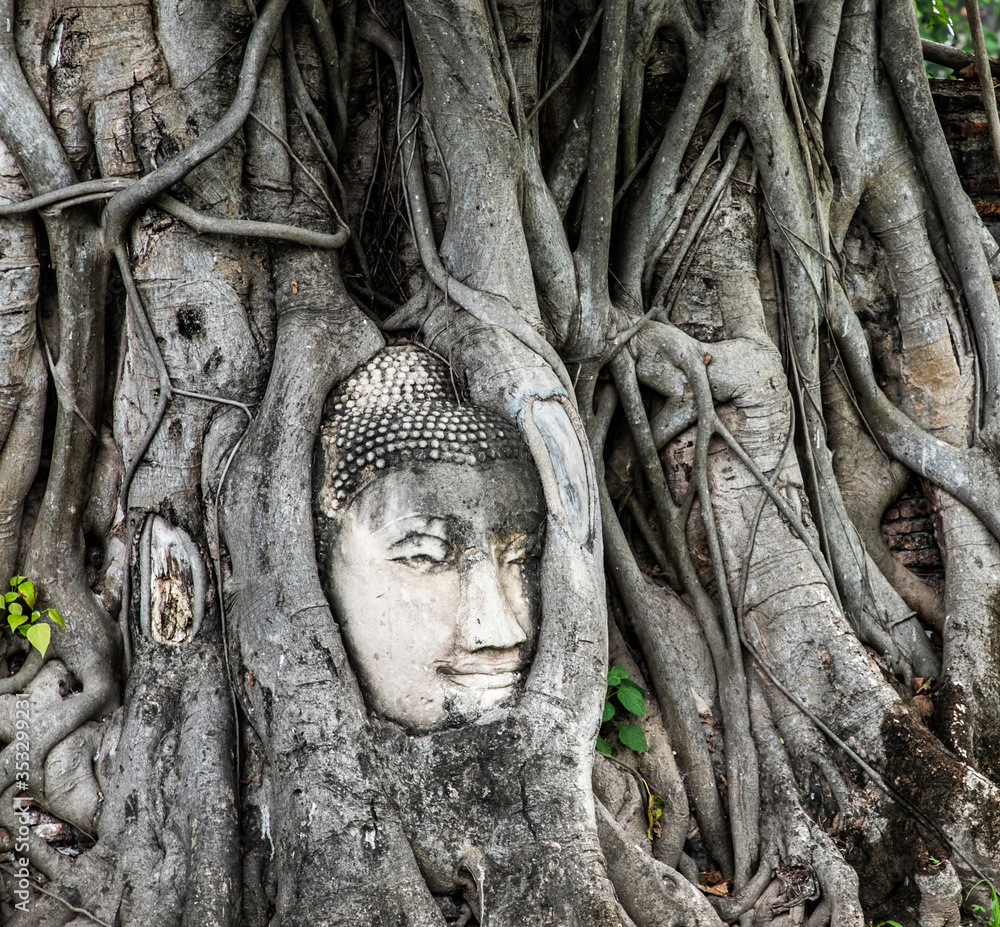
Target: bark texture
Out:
[712,260]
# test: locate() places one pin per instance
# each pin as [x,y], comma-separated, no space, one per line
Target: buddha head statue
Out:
[429,521]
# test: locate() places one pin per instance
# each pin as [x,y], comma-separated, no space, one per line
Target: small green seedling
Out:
[626,697]
[19,607]
[989,918]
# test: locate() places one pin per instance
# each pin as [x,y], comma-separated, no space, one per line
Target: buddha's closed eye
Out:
[422,552]
[521,547]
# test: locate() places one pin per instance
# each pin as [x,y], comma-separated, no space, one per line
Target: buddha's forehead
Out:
[496,498]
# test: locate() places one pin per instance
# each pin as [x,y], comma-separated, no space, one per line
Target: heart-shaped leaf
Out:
[38,636]
[27,591]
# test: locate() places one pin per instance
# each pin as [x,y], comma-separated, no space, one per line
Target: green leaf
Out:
[54,616]
[604,747]
[15,620]
[10,596]
[38,636]
[27,591]
[616,674]
[631,736]
[15,608]
[609,712]
[16,581]
[35,616]
[631,698]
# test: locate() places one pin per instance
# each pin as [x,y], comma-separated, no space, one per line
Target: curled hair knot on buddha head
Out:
[401,408]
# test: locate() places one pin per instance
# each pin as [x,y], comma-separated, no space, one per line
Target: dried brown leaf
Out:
[721,889]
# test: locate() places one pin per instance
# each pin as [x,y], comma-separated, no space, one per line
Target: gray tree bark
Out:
[712,260]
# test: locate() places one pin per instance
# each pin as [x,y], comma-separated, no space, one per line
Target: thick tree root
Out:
[653,894]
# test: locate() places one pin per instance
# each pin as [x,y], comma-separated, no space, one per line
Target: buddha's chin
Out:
[455,699]
[471,694]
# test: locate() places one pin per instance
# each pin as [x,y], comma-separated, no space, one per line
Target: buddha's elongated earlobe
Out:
[558,445]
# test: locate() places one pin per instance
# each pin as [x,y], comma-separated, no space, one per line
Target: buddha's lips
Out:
[486,679]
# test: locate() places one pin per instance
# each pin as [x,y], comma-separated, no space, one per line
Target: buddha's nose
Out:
[485,616]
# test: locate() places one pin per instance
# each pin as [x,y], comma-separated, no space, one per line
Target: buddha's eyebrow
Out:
[414,524]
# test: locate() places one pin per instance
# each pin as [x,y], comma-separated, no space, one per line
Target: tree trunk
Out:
[707,270]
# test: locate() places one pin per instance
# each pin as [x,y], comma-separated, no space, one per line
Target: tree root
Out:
[969,474]
[672,687]
[19,681]
[908,806]
[793,833]
[723,641]
[902,58]
[869,482]
[312,119]
[125,204]
[554,86]
[985,79]
[732,907]
[593,250]
[73,795]
[64,197]
[654,895]
[700,219]
[490,309]
[657,207]
[656,771]
[326,38]
[82,878]
[246,228]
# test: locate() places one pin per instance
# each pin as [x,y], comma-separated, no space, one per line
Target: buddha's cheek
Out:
[399,630]
[417,631]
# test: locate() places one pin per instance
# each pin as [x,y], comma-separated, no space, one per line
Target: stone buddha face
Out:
[430,548]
